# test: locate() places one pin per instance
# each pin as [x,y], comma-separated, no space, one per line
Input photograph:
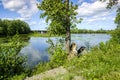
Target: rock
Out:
[47,74]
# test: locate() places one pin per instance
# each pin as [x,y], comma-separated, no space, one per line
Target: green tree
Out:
[11,27]
[117,19]
[6,24]
[1,28]
[112,3]
[20,26]
[11,30]
[62,15]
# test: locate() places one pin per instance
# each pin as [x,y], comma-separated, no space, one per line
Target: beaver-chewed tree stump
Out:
[74,52]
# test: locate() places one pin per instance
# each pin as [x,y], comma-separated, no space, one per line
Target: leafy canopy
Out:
[117,19]
[55,12]
[11,27]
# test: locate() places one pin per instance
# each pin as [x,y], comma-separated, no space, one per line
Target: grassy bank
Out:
[37,34]
[84,31]
[101,63]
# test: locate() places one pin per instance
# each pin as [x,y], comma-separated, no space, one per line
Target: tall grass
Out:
[99,64]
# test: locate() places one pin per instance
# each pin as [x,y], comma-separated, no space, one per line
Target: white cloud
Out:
[91,9]
[13,5]
[96,19]
[96,11]
[32,23]
[26,8]
[113,18]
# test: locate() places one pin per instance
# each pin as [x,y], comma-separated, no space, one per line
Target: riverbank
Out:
[97,64]
[37,34]
[101,63]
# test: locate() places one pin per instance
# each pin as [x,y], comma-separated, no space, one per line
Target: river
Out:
[36,50]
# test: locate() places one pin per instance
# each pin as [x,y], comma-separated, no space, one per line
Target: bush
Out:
[115,36]
[58,54]
[58,57]
[11,63]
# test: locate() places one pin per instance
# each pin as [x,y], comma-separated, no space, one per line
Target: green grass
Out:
[37,34]
[101,63]
[97,65]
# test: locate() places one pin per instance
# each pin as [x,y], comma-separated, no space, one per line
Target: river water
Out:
[36,50]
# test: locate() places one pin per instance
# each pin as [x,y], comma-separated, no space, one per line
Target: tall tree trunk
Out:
[68,34]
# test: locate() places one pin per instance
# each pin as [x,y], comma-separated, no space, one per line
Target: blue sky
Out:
[94,13]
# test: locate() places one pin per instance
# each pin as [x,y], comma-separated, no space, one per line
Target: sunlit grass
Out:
[101,63]
[98,64]
[37,34]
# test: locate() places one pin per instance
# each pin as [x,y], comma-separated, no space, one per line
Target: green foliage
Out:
[102,63]
[19,77]
[55,28]
[11,63]
[59,13]
[41,67]
[111,3]
[11,27]
[117,19]
[37,34]
[76,30]
[58,57]
[111,76]
[115,36]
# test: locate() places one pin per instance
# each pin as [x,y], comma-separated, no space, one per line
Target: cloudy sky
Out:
[94,13]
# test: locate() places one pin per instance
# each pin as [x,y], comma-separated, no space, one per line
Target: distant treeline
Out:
[89,31]
[11,27]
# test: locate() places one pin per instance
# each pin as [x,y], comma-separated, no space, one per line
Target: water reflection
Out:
[36,51]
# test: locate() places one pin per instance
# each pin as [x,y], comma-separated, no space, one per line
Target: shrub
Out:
[11,63]
[101,63]
[115,36]
[58,57]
